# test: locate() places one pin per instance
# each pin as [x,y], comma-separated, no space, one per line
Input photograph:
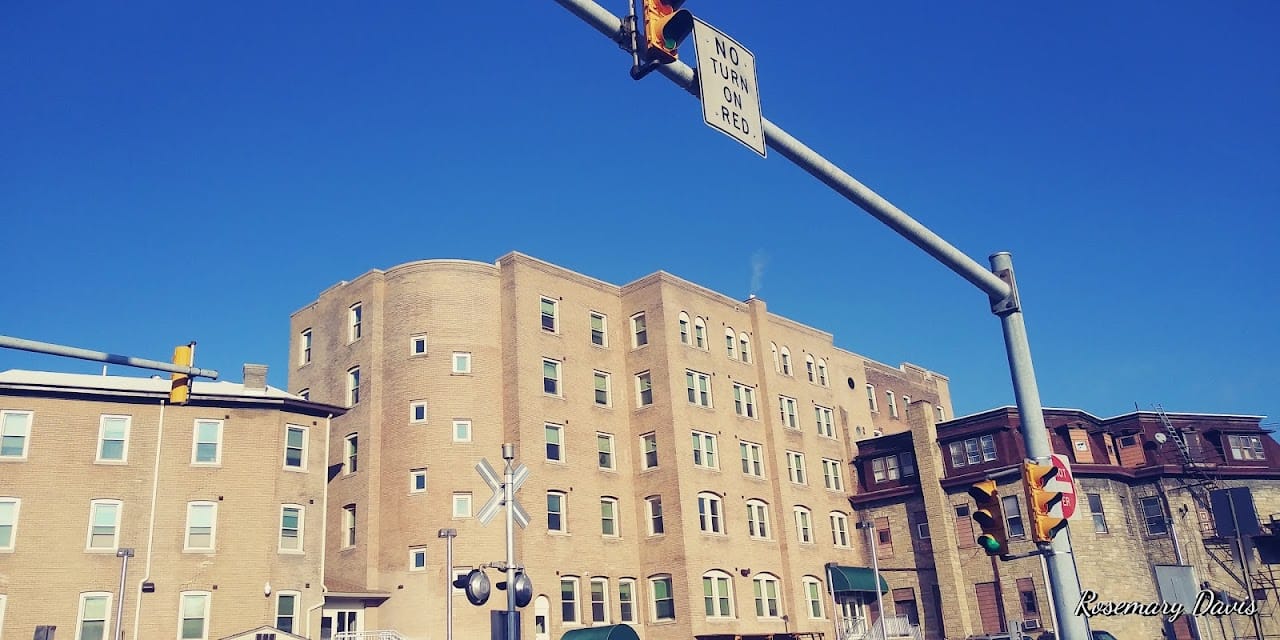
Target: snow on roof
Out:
[131,384]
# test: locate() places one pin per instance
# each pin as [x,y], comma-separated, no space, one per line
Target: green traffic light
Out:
[990,544]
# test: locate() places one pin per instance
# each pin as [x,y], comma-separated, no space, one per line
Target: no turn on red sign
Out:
[727,86]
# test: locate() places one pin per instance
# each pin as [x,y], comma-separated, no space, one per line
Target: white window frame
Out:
[94,505]
[302,451]
[627,585]
[822,373]
[604,329]
[809,368]
[350,453]
[654,581]
[653,516]
[744,348]
[305,338]
[826,421]
[731,343]
[15,509]
[720,601]
[465,423]
[596,377]
[1246,447]
[711,513]
[788,412]
[461,363]
[557,377]
[700,333]
[752,454]
[461,499]
[355,322]
[706,450]
[554,316]
[603,583]
[102,439]
[547,428]
[777,362]
[300,537]
[686,329]
[871,398]
[812,588]
[893,403]
[832,478]
[575,601]
[804,524]
[106,616]
[616,518]
[413,412]
[414,341]
[414,474]
[195,444]
[698,388]
[194,507]
[942,416]
[744,401]
[768,606]
[293,613]
[796,470]
[414,554]
[3,599]
[207,598]
[562,513]
[645,440]
[602,437]
[644,382]
[839,529]
[639,330]
[786,361]
[758,519]
[349,531]
[353,386]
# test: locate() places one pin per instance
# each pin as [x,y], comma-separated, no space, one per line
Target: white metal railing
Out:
[382,634]
[883,629]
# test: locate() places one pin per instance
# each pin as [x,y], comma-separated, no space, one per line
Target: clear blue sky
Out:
[177,171]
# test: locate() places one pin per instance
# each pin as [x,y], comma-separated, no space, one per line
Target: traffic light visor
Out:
[983,491]
[677,28]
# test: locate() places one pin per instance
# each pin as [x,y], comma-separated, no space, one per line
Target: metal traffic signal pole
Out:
[998,283]
[8,342]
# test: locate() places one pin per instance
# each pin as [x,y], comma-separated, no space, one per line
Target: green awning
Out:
[611,632]
[848,579]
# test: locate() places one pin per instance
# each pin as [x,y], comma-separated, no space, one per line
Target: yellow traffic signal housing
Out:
[1041,501]
[666,25]
[990,517]
[181,389]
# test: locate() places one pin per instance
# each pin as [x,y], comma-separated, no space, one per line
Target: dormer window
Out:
[898,465]
[973,451]
[1246,447]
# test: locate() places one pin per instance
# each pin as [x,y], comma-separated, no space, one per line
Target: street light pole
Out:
[124,555]
[870,526]
[448,535]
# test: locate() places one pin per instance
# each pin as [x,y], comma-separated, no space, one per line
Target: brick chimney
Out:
[255,377]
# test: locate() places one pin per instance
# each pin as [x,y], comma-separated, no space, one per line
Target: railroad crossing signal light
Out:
[666,25]
[990,517]
[476,585]
[1041,501]
[181,389]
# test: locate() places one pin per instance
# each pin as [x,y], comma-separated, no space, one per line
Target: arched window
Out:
[777,364]
[786,361]
[822,372]
[812,596]
[731,343]
[717,594]
[808,366]
[758,519]
[541,611]
[744,347]
[710,513]
[699,333]
[871,398]
[839,529]
[766,592]
[684,328]
[804,524]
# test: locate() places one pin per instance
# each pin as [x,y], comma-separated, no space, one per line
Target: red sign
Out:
[1066,484]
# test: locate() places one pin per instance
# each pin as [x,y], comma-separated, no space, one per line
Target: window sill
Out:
[111,463]
[201,552]
[459,373]
[302,469]
[602,406]
[559,534]
[207,465]
[13,459]
[643,407]
[291,552]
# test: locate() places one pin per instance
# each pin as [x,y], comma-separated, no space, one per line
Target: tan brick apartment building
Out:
[221,501]
[1140,496]
[689,451]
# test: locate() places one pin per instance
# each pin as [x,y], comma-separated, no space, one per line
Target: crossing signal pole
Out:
[7,342]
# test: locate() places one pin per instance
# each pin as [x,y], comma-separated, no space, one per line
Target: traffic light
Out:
[181,389]
[666,25]
[990,517]
[1040,501]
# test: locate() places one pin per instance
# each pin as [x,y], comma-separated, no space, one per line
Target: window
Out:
[699,387]
[1153,515]
[418,411]
[900,465]
[599,601]
[549,309]
[744,401]
[1013,517]
[653,509]
[893,404]
[906,406]
[417,480]
[804,525]
[462,430]
[699,336]
[603,389]
[644,389]
[766,591]
[839,529]
[104,525]
[731,343]
[1027,597]
[349,526]
[822,372]
[717,594]
[825,420]
[286,610]
[604,450]
[95,613]
[555,450]
[941,414]
[351,452]
[1099,518]
[786,361]
[418,559]
[710,509]
[809,367]
[777,362]
[758,519]
[202,518]
[684,328]
[752,459]
[207,448]
[353,386]
[649,450]
[418,345]
[609,517]
[922,529]
[795,467]
[627,600]
[1246,447]
[908,463]
[988,443]
[664,604]
[831,475]
[113,439]
[8,522]
[555,511]
[787,411]
[704,450]
[639,331]
[973,451]
[884,537]
[295,447]
[461,362]
[569,600]
[599,329]
[291,528]
[304,347]
[355,320]
[550,377]
[462,505]
[871,398]
[812,596]
[744,348]
[195,615]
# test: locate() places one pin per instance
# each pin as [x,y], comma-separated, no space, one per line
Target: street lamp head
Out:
[447,533]
[124,553]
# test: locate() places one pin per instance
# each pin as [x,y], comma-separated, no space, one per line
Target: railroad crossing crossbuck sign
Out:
[491,478]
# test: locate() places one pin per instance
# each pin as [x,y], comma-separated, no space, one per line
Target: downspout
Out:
[324,522]
[151,522]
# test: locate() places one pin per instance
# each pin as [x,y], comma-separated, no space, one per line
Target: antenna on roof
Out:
[104,370]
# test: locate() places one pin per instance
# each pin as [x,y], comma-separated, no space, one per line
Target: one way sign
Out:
[491,478]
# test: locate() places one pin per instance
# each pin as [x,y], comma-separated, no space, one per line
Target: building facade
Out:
[688,451]
[218,505]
